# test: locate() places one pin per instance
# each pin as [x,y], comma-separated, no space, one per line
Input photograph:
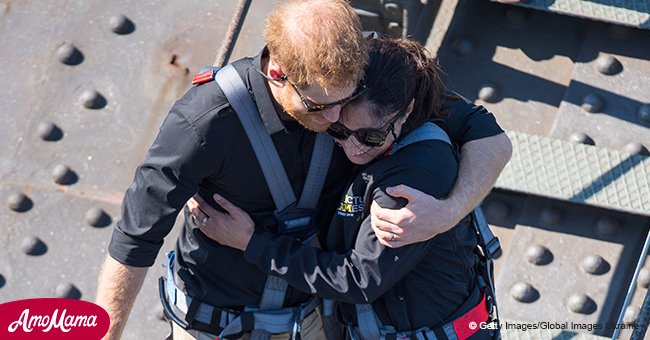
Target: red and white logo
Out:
[50,318]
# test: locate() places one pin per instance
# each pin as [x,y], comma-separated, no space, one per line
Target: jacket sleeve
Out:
[466,121]
[360,275]
[169,175]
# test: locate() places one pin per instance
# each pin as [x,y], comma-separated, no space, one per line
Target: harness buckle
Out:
[296,222]
[493,248]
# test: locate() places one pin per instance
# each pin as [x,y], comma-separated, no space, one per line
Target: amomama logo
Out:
[51,318]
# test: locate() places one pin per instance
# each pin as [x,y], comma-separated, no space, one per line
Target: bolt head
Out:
[581,303]
[582,138]
[592,103]
[539,255]
[607,226]
[595,265]
[489,93]
[19,202]
[523,292]
[32,245]
[608,64]
[69,54]
[120,24]
[551,215]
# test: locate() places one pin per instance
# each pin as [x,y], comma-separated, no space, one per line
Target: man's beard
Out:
[310,121]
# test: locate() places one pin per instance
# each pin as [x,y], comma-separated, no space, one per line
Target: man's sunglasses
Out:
[309,105]
[368,137]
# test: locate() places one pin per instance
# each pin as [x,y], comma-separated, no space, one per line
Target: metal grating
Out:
[578,173]
[626,12]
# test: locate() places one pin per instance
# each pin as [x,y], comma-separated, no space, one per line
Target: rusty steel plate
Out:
[569,263]
[502,65]
[85,88]
[608,100]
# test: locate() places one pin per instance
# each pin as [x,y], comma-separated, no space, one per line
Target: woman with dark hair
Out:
[423,290]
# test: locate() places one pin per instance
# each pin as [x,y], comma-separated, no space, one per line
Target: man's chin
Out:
[313,124]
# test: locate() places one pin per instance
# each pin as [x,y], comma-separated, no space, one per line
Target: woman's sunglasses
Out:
[368,137]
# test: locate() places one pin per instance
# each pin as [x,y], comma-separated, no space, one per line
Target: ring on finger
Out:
[204,222]
[392,236]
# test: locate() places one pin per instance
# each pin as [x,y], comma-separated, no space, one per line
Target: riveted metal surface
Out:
[490,54]
[566,293]
[86,86]
[623,88]
[628,12]
[578,173]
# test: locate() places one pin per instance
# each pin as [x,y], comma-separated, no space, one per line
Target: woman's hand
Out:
[234,228]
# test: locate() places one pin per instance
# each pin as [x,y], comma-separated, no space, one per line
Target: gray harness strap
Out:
[274,173]
[235,90]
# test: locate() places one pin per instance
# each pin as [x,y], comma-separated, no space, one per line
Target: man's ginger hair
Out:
[317,42]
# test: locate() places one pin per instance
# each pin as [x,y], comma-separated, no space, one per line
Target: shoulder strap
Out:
[428,131]
[235,90]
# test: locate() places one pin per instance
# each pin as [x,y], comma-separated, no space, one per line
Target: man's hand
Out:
[234,228]
[422,218]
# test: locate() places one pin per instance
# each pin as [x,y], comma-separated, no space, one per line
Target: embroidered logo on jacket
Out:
[350,205]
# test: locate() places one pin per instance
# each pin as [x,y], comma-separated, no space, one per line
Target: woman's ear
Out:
[409,108]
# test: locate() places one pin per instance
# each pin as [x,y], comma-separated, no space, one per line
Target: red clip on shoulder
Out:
[203,77]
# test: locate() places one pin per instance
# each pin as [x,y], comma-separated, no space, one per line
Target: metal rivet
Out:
[32,245]
[497,210]
[644,113]
[96,217]
[592,103]
[582,138]
[607,225]
[120,24]
[581,303]
[631,314]
[551,215]
[63,174]
[644,278]
[69,55]
[516,18]
[524,292]
[392,8]
[489,93]
[539,255]
[394,26]
[636,149]
[19,202]
[595,265]
[3,281]
[92,99]
[48,131]
[608,65]
[463,47]
[68,291]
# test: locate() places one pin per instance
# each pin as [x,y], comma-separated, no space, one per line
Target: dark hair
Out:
[398,71]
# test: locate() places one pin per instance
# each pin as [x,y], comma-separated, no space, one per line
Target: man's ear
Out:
[275,71]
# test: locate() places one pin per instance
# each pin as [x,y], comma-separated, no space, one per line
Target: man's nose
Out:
[332,114]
